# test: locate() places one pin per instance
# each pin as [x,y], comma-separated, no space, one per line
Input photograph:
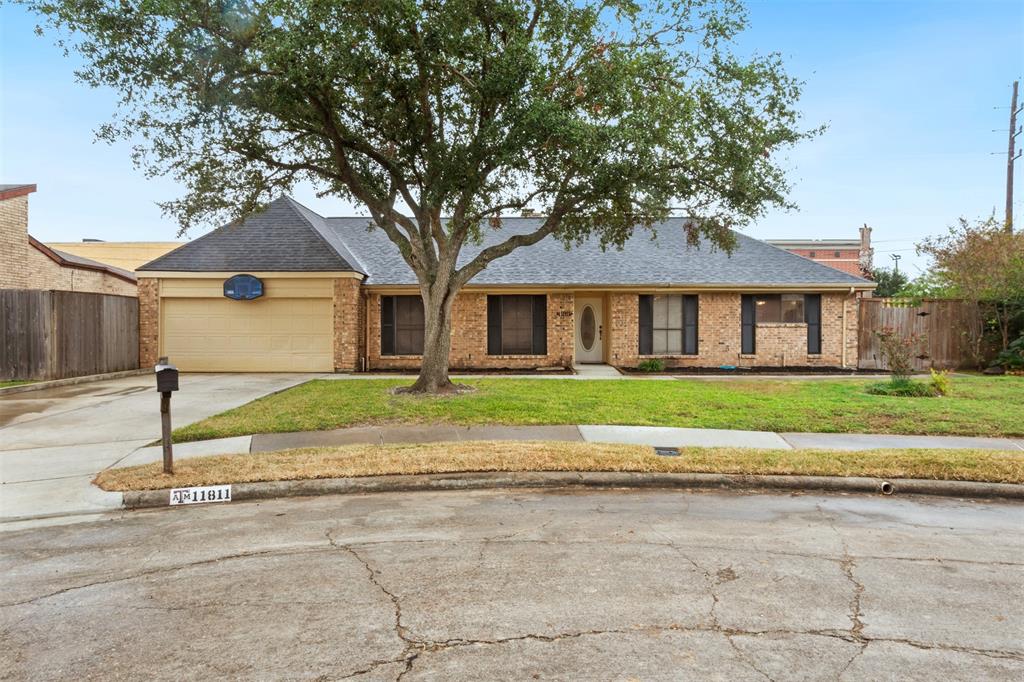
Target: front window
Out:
[668,325]
[517,325]
[779,308]
[401,325]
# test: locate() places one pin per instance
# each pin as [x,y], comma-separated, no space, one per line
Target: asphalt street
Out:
[608,585]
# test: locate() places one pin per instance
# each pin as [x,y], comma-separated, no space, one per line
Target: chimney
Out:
[867,254]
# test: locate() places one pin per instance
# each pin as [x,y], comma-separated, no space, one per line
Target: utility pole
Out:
[896,259]
[1011,157]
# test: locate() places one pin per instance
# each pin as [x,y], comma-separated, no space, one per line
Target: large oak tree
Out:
[440,115]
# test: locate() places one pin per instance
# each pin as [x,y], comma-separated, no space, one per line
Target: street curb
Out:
[71,381]
[598,479]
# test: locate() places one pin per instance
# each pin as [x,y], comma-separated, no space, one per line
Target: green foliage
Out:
[902,388]
[604,115]
[983,262]
[1013,357]
[927,285]
[890,282]
[652,365]
[941,383]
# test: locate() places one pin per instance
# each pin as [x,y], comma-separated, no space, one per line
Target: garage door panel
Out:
[267,335]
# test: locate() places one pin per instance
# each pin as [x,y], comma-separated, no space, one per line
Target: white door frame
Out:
[595,354]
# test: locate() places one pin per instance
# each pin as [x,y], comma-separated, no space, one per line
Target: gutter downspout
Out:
[366,330]
[844,328]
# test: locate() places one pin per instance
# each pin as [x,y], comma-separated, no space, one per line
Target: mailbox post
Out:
[166,381]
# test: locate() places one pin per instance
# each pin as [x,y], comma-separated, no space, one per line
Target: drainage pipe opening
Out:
[887,488]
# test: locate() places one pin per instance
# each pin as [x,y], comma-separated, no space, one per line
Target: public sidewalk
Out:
[655,436]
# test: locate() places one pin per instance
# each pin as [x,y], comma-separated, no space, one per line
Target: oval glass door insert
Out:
[588,328]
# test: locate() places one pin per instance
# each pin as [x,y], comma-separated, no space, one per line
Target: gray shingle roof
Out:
[645,260]
[289,237]
[89,262]
[286,237]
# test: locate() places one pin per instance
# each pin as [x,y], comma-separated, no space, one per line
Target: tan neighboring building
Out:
[289,290]
[26,263]
[124,255]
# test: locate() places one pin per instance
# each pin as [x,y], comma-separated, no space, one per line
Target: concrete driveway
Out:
[524,585]
[53,441]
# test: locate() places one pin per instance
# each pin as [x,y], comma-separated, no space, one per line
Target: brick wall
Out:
[45,273]
[149,321]
[22,266]
[348,324]
[469,336]
[14,268]
[718,321]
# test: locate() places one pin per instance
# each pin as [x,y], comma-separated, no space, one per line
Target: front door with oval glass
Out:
[589,330]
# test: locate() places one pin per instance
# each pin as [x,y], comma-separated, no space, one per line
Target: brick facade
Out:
[14,266]
[469,337]
[349,315]
[23,266]
[718,333]
[356,316]
[149,321]
[44,273]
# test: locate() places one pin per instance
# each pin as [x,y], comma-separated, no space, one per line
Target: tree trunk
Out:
[437,343]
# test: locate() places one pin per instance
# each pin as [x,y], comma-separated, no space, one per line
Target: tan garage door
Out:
[265,335]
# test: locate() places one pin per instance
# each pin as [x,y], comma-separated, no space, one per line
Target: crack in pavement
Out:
[410,652]
[414,646]
[848,564]
[164,569]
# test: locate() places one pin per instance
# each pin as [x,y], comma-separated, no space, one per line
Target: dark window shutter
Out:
[646,325]
[748,326]
[540,325]
[690,325]
[494,325]
[812,315]
[387,325]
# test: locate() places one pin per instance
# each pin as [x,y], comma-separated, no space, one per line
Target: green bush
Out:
[1013,356]
[652,365]
[903,389]
[940,382]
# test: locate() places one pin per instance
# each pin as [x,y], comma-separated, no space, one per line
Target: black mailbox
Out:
[166,376]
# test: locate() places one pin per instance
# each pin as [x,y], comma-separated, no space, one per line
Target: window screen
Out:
[517,325]
[401,325]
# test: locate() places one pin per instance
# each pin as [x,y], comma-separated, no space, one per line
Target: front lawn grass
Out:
[378,460]
[988,406]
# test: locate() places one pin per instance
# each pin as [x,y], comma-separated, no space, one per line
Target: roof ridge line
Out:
[350,255]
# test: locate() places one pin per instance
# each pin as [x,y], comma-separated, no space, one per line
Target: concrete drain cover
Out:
[666,452]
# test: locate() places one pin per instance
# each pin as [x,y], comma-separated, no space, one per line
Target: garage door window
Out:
[401,325]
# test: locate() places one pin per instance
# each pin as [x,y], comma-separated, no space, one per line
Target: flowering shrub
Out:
[899,352]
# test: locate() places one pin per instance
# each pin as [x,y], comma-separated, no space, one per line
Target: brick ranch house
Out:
[328,294]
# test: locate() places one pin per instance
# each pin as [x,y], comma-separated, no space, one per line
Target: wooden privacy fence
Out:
[943,324]
[59,334]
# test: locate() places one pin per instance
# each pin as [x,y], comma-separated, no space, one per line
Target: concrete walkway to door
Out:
[597,372]
[54,441]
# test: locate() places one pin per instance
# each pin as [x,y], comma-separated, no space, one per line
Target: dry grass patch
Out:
[379,460]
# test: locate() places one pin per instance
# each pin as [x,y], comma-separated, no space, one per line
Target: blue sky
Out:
[911,92]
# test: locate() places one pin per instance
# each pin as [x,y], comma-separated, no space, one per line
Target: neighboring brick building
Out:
[289,290]
[26,263]
[849,255]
